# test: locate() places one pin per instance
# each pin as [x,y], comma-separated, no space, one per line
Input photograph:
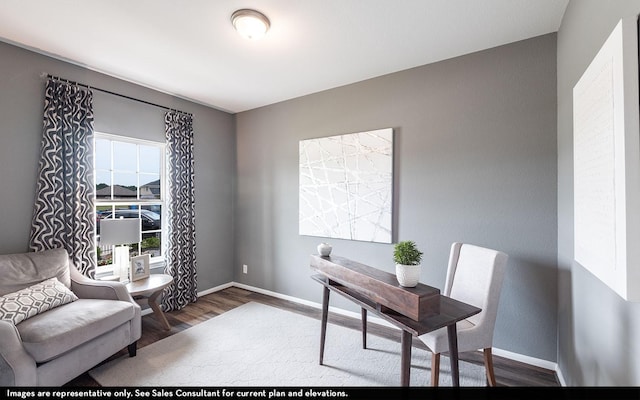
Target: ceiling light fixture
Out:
[250,23]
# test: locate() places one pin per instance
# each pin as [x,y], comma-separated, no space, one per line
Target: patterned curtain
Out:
[63,215]
[181,229]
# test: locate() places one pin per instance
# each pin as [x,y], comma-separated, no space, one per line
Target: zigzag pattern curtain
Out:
[181,231]
[63,214]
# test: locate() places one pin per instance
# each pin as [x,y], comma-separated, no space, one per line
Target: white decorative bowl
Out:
[408,275]
[324,249]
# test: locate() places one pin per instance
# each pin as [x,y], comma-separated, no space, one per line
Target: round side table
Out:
[147,291]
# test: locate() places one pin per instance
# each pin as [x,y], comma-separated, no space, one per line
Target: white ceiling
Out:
[189,48]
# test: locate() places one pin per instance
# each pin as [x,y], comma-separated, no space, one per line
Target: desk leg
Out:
[405,358]
[453,354]
[364,328]
[325,315]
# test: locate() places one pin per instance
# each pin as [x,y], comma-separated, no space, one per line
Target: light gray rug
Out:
[259,345]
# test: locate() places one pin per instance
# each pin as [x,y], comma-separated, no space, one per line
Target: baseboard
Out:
[560,377]
[498,352]
[524,359]
[217,289]
[312,304]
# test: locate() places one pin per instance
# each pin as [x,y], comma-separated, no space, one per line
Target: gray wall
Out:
[21,105]
[475,162]
[597,330]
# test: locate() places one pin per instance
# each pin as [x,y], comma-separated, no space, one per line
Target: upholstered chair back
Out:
[474,276]
[18,271]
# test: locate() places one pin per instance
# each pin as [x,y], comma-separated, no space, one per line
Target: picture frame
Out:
[139,267]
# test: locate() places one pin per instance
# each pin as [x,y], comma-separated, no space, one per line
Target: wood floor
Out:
[508,372]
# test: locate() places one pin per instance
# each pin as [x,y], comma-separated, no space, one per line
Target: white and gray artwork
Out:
[346,188]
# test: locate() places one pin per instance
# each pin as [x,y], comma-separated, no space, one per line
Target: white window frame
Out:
[162,201]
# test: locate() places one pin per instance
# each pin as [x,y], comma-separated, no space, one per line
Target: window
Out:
[129,177]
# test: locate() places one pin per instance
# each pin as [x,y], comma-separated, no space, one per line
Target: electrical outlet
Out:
[244,268]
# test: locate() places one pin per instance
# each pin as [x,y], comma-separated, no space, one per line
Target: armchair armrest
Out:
[87,288]
[17,367]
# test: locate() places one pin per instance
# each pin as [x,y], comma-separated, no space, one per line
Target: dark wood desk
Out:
[444,311]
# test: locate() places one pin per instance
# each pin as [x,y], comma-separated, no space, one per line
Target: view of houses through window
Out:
[128,176]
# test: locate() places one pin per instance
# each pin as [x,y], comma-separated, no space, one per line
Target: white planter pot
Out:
[408,275]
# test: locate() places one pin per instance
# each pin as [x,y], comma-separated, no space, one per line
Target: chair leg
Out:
[488,365]
[435,369]
[132,348]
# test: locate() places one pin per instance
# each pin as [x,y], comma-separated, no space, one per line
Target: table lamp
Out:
[120,232]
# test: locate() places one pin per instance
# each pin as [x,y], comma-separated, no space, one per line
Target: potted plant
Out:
[407,258]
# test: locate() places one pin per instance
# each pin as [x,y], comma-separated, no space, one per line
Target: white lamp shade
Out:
[120,231]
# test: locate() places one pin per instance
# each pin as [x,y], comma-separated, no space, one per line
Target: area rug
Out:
[259,345]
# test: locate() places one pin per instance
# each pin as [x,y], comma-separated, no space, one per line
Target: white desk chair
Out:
[474,276]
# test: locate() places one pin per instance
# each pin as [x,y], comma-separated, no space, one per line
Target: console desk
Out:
[415,310]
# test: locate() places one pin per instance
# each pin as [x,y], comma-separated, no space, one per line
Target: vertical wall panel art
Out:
[346,187]
[606,163]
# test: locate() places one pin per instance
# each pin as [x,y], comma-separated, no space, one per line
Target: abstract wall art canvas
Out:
[346,186]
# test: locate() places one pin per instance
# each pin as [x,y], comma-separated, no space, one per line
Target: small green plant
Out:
[406,253]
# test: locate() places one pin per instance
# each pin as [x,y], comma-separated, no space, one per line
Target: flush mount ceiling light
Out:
[250,23]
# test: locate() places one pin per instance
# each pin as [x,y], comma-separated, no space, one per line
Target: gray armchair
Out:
[53,347]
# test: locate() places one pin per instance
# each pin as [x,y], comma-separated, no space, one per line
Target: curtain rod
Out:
[114,93]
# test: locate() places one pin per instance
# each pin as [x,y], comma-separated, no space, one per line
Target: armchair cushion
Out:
[33,300]
[57,331]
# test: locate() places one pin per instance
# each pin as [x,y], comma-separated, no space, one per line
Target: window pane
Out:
[127,211]
[151,244]
[125,157]
[151,218]
[125,186]
[105,255]
[103,154]
[150,189]
[102,212]
[103,184]
[150,159]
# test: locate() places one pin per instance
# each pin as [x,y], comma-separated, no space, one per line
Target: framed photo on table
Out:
[139,267]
